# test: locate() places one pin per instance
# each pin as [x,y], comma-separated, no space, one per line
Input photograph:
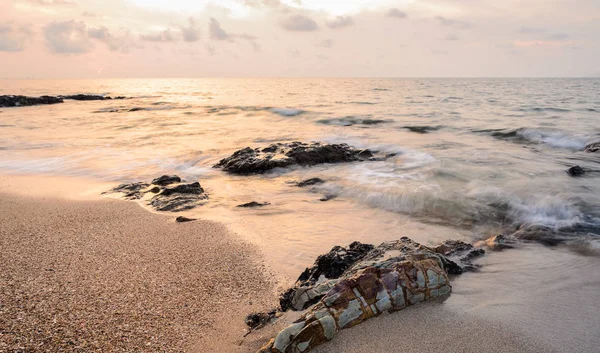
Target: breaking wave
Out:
[552,138]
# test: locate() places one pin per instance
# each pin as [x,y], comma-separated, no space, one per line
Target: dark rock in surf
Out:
[253,204]
[170,195]
[86,97]
[280,155]
[23,101]
[310,182]
[182,219]
[327,198]
[576,171]
[166,180]
[422,129]
[136,109]
[460,253]
[593,147]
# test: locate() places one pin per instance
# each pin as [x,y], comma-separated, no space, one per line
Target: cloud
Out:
[166,36]
[453,23]
[340,22]
[327,43]
[216,32]
[68,37]
[191,33]
[299,23]
[13,39]
[122,42]
[395,13]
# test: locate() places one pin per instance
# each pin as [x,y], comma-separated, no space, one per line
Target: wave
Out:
[380,89]
[356,102]
[424,129]
[553,138]
[352,120]
[544,109]
[286,111]
[159,106]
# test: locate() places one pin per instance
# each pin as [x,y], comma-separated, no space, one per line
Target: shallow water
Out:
[475,156]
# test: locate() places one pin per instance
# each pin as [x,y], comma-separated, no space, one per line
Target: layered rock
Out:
[593,147]
[389,278]
[169,193]
[281,155]
[23,101]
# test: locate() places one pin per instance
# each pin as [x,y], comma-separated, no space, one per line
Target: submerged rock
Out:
[575,171]
[327,198]
[280,155]
[422,129]
[86,97]
[23,101]
[593,147]
[182,219]
[253,204]
[310,182]
[170,194]
[389,278]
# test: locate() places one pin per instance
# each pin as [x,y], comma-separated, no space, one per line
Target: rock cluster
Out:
[593,147]
[169,193]
[389,278]
[281,155]
[22,101]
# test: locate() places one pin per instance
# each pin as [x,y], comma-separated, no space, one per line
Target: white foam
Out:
[286,111]
[556,139]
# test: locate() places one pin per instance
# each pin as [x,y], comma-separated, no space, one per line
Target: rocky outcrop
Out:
[23,101]
[280,155]
[576,171]
[168,193]
[253,204]
[592,148]
[389,278]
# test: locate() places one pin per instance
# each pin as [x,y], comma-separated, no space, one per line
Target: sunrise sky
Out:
[298,38]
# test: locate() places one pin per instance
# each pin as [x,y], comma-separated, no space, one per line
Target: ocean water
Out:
[475,157]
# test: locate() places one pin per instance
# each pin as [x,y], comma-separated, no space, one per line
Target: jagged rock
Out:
[459,252]
[169,196]
[593,147]
[22,101]
[253,204]
[310,182]
[575,171]
[499,242]
[390,277]
[528,233]
[166,180]
[280,155]
[182,219]
[256,321]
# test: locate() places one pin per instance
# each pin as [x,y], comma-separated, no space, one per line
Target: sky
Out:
[63,39]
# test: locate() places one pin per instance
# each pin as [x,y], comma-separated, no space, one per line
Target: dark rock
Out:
[500,242]
[460,255]
[422,129]
[85,97]
[172,197]
[258,320]
[135,109]
[253,204]
[119,97]
[182,219]
[166,180]
[575,171]
[23,101]
[593,147]
[310,182]
[327,198]
[253,161]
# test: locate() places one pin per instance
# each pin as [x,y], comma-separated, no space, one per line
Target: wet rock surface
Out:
[253,204]
[592,148]
[169,193]
[575,171]
[281,155]
[387,278]
[460,253]
[23,101]
[182,219]
[310,182]
[422,129]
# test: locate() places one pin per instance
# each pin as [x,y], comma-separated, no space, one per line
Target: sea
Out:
[473,158]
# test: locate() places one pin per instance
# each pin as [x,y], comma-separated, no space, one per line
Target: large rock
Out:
[280,155]
[86,97]
[593,147]
[168,193]
[22,101]
[390,277]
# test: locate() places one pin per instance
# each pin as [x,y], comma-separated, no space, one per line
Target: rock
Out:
[85,97]
[310,182]
[256,321]
[460,253]
[22,101]
[166,180]
[593,147]
[388,278]
[170,196]
[135,109]
[422,129]
[575,171]
[182,219]
[254,204]
[499,242]
[327,198]
[254,161]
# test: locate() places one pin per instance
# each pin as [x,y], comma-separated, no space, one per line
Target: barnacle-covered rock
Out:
[390,277]
[281,155]
[168,192]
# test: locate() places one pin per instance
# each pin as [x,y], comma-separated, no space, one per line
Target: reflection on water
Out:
[474,157]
